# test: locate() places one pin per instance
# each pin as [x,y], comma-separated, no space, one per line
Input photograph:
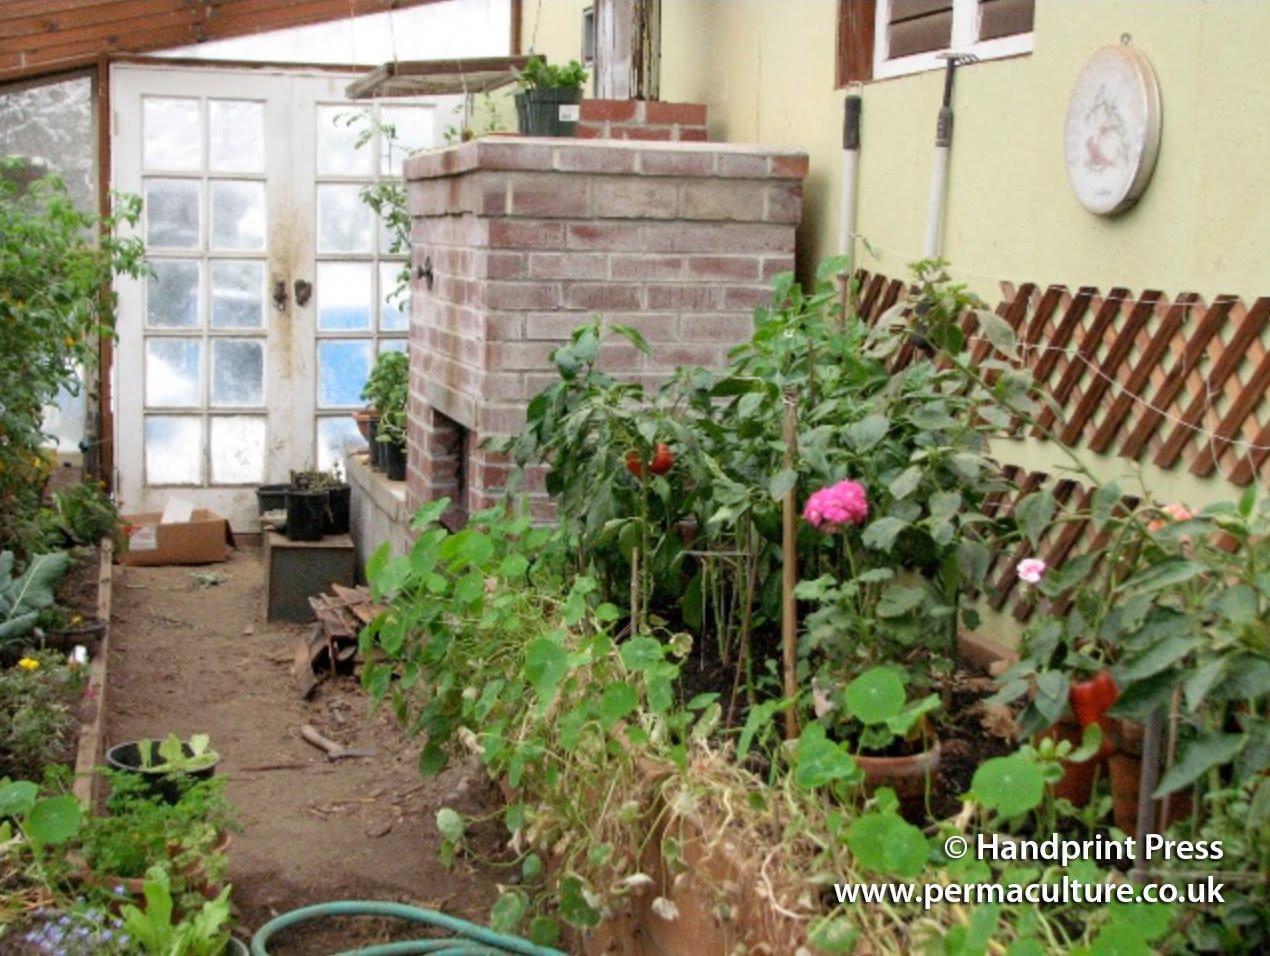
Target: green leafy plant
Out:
[386,387]
[140,830]
[541,75]
[86,514]
[24,596]
[37,713]
[56,267]
[201,934]
[170,757]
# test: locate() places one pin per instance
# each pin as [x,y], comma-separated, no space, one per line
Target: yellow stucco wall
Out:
[765,68]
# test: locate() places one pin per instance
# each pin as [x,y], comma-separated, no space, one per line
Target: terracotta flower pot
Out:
[907,776]
[1078,778]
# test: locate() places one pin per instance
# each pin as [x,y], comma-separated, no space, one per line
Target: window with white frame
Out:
[883,38]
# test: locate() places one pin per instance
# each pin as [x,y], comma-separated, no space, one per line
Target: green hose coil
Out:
[468,939]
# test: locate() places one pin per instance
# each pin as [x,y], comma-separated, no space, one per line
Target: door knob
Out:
[303,290]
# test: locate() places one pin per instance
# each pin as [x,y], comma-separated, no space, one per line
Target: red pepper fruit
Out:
[1091,699]
[662,459]
[634,465]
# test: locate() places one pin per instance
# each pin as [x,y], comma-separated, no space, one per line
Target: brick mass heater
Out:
[516,241]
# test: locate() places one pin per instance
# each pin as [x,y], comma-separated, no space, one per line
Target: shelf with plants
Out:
[626,677]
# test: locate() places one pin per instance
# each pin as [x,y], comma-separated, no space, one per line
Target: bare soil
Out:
[189,656]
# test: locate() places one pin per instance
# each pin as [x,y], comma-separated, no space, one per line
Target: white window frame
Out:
[965,39]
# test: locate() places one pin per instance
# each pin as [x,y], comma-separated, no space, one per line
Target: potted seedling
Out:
[385,389]
[392,436]
[891,744]
[163,762]
[548,103]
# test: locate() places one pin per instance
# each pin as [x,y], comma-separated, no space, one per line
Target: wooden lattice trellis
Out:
[1176,383]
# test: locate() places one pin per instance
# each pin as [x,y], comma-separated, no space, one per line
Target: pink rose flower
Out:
[1031,570]
[830,508]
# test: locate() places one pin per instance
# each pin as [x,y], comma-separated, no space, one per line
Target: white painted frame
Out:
[965,39]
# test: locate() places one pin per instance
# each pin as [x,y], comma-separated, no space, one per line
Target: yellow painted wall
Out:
[765,68]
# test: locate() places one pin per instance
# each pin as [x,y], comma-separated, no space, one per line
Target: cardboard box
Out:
[204,538]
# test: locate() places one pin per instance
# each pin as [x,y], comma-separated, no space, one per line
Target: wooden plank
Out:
[915,9]
[1116,355]
[1151,416]
[1156,351]
[933,32]
[48,27]
[1247,332]
[856,20]
[1086,350]
[1232,422]
[1054,349]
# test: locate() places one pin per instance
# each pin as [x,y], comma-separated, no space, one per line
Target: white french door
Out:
[244,353]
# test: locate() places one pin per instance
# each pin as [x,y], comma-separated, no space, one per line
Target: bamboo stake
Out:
[789,578]
[635,592]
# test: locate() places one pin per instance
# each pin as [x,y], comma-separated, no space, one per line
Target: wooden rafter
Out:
[42,37]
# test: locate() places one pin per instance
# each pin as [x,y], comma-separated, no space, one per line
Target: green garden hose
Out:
[468,939]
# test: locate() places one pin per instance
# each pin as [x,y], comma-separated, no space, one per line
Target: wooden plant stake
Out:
[789,578]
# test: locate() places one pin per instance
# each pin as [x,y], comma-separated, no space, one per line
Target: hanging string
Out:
[392,32]
[533,38]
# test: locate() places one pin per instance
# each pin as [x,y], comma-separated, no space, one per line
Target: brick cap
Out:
[561,154]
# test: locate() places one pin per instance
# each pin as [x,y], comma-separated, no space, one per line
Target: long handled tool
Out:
[943,146]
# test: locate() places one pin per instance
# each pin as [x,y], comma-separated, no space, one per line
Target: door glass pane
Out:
[172,294]
[238,449]
[238,295]
[344,295]
[392,307]
[337,437]
[172,134]
[172,372]
[392,345]
[174,450]
[238,215]
[413,126]
[235,136]
[337,152]
[172,220]
[238,372]
[345,223]
[342,370]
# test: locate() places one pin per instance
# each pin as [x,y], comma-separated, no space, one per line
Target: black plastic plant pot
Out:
[376,447]
[166,786]
[306,514]
[395,460]
[272,497]
[337,506]
[540,111]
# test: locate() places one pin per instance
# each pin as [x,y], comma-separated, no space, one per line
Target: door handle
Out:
[280,294]
[303,289]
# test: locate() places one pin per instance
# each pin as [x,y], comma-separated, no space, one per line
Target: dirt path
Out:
[189,657]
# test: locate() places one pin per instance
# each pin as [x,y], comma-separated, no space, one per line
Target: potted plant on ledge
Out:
[385,389]
[548,105]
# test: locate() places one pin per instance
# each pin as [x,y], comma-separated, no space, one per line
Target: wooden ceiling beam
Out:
[39,37]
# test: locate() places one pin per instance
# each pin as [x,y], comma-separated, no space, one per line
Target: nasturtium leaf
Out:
[545,664]
[887,843]
[821,761]
[616,701]
[508,913]
[875,696]
[53,820]
[1011,785]
[531,866]
[544,931]
[450,825]
[640,653]
[836,934]
[17,797]
[514,566]
[574,908]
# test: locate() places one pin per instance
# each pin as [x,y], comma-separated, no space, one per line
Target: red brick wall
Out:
[643,120]
[528,238]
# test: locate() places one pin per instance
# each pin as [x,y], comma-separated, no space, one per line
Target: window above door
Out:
[878,39]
